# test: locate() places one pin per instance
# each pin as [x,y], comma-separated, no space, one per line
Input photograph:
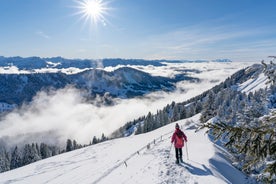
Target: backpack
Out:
[179,141]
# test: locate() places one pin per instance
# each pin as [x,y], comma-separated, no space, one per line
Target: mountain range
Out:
[31,63]
[124,82]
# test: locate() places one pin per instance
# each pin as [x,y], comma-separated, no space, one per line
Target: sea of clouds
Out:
[55,116]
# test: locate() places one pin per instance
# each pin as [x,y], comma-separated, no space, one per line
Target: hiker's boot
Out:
[181,160]
[177,161]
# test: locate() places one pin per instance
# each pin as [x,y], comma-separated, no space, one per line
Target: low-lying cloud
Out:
[66,114]
[54,116]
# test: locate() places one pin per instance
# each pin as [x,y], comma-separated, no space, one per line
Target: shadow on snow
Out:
[197,171]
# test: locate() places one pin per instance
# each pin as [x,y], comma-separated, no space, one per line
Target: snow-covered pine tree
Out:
[270,70]
[95,140]
[183,112]
[75,145]
[45,152]
[270,146]
[30,154]
[246,131]
[176,112]
[256,145]
[55,150]
[164,117]
[148,123]
[191,110]
[209,109]
[139,129]
[69,145]
[16,160]
[4,160]
[198,107]
[103,138]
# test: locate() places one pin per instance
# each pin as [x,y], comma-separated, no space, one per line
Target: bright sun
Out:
[92,11]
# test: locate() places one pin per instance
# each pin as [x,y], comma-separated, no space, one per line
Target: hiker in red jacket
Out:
[178,139]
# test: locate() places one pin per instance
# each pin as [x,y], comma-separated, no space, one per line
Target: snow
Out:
[254,84]
[12,70]
[68,71]
[128,160]
[52,64]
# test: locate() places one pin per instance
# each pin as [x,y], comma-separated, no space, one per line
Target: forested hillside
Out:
[246,125]
[240,111]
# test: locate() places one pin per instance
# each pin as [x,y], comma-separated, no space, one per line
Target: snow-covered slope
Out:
[130,160]
[254,84]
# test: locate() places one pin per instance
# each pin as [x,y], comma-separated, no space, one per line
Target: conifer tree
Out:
[209,109]
[45,151]
[95,140]
[75,145]
[139,129]
[4,161]
[256,143]
[103,138]
[270,70]
[16,160]
[69,145]
[183,113]
[30,154]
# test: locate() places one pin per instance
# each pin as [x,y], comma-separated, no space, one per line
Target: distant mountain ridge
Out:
[124,82]
[31,63]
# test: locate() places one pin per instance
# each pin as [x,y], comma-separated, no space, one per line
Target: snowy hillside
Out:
[128,160]
[254,84]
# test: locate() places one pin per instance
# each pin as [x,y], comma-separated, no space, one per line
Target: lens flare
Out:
[93,11]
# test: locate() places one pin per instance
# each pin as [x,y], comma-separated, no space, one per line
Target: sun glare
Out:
[92,11]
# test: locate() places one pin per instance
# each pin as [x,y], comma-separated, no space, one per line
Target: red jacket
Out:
[180,135]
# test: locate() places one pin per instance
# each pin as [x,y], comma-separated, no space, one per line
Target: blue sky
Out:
[241,30]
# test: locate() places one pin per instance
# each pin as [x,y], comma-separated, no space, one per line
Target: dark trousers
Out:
[178,153]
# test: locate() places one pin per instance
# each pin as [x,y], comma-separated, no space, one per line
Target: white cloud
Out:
[208,41]
[66,113]
[58,115]
[12,70]
[42,34]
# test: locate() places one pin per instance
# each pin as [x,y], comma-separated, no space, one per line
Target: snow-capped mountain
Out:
[32,63]
[123,83]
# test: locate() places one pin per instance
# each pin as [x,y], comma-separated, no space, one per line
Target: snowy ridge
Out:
[131,160]
[17,65]
[254,84]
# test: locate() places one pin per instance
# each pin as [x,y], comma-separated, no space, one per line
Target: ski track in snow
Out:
[129,160]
